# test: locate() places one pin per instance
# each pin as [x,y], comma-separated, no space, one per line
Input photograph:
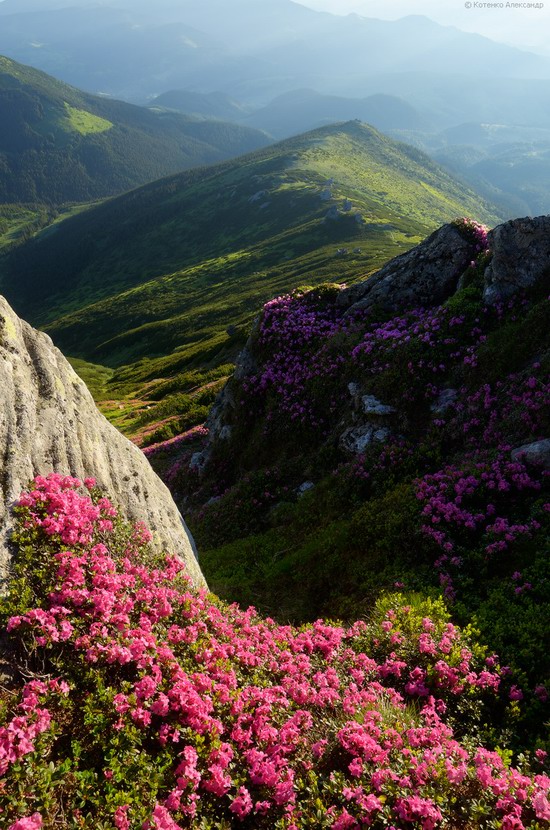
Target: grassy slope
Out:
[58,144]
[361,529]
[149,283]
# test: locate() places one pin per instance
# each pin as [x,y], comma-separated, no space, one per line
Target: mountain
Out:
[166,269]
[50,422]
[58,144]
[211,105]
[393,434]
[252,51]
[216,57]
[304,109]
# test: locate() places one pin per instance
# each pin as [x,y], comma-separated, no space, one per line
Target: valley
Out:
[166,279]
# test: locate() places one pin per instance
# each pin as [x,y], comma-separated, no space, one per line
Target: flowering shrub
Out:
[178,441]
[167,709]
[462,502]
[295,335]
[474,231]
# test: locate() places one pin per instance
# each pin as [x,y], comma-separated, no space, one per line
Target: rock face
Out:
[355,440]
[536,454]
[521,257]
[425,276]
[49,423]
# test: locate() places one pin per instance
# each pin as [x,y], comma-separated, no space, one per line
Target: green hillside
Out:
[58,144]
[167,278]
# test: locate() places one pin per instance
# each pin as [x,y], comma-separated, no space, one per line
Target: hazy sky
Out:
[528,28]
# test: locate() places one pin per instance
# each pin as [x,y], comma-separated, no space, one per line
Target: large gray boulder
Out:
[521,257]
[536,454]
[424,276]
[49,423]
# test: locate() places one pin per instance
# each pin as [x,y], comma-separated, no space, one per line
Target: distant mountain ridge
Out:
[252,51]
[58,144]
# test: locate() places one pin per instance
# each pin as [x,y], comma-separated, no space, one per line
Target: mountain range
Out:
[290,69]
[206,47]
[58,144]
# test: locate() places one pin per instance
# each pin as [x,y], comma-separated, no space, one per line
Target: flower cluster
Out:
[465,500]
[514,408]
[254,722]
[18,736]
[474,231]
[296,336]
[427,343]
[193,434]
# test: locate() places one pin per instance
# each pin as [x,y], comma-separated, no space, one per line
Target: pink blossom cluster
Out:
[296,336]
[466,499]
[33,718]
[257,714]
[515,408]
[178,441]
[441,340]
[475,231]
[33,822]
[57,508]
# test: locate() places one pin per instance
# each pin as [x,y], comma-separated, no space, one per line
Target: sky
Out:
[527,27]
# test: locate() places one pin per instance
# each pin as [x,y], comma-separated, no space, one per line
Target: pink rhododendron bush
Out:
[139,703]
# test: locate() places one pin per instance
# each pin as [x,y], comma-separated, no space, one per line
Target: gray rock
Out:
[521,257]
[356,439]
[246,363]
[536,454]
[199,460]
[304,488]
[424,276]
[353,389]
[347,206]
[372,406]
[326,195]
[332,214]
[225,433]
[445,400]
[50,423]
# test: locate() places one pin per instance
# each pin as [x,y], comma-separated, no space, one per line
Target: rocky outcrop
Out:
[536,454]
[424,276]
[445,401]
[356,440]
[521,257]
[49,423]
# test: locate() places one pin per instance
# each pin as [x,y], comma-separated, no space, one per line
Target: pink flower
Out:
[121,818]
[242,804]
[541,806]
[30,823]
